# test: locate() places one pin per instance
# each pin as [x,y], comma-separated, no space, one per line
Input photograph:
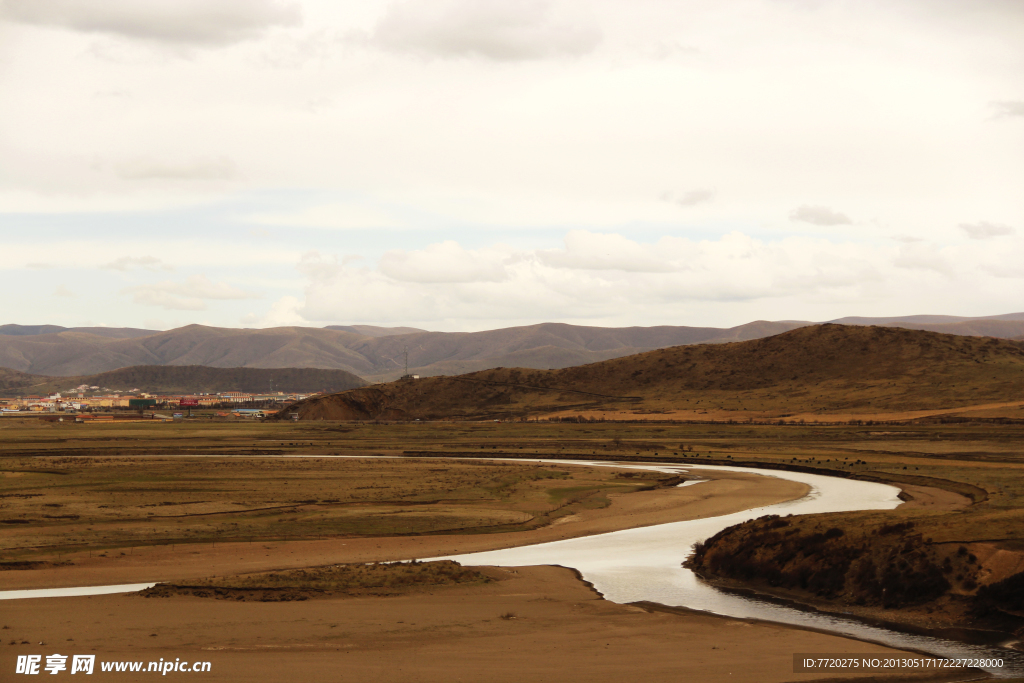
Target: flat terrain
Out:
[537,624]
[963,482]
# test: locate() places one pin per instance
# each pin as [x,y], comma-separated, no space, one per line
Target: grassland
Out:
[64,501]
[54,471]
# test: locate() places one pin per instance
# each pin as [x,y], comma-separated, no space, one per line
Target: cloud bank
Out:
[609,277]
[511,30]
[189,22]
[190,295]
[819,215]
[984,230]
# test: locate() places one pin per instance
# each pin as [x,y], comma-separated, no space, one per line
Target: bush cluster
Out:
[886,566]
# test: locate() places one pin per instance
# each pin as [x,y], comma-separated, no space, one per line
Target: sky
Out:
[462,165]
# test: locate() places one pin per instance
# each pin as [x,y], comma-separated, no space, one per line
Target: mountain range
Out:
[379,353]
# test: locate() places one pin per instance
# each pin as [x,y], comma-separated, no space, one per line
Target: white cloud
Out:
[190,295]
[984,230]
[595,251]
[922,256]
[130,262]
[447,262]
[145,168]
[732,279]
[819,215]
[509,30]
[595,277]
[193,22]
[282,313]
[63,291]
[690,197]
[1012,108]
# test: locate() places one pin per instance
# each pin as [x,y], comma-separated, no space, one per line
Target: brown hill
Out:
[189,379]
[822,368]
[12,379]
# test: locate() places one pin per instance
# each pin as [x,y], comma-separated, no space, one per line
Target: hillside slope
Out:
[823,369]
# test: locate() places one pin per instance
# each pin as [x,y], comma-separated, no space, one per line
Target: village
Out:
[96,403]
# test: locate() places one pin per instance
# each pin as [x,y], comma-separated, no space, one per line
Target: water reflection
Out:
[75,591]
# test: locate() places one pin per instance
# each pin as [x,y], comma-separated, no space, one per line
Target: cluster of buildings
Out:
[77,400]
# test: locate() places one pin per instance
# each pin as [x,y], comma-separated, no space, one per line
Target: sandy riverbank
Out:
[561,631]
[726,492]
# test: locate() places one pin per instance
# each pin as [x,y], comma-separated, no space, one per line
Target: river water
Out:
[645,564]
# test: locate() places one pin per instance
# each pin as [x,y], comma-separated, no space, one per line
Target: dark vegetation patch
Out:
[328,581]
[1006,596]
[22,565]
[883,565]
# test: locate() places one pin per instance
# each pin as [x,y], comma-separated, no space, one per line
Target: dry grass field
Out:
[65,502]
[68,487]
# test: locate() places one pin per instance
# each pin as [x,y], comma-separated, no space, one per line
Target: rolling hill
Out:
[189,379]
[378,353]
[816,369]
[75,352]
[12,379]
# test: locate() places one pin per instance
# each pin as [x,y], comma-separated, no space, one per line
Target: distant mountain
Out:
[817,369]
[28,330]
[112,332]
[925,319]
[549,345]
[378,353]
[1005,326]
[189,379]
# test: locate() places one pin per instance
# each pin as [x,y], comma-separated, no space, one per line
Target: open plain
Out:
[100,504]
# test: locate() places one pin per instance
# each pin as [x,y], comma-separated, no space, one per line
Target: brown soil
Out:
[534,624]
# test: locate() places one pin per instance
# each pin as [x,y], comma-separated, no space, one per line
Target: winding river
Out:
[645,564]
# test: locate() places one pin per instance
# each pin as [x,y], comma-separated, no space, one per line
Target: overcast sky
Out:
[473,164]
